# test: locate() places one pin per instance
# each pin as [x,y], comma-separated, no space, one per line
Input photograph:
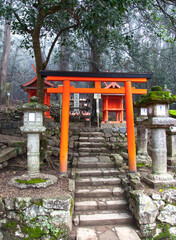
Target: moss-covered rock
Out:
[156,88]
[156,97]
[172,113]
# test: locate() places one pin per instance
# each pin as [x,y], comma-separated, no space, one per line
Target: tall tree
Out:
[35,19]
[5,57]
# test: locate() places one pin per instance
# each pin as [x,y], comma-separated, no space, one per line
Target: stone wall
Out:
[154,211]
[29,218]
[10,121]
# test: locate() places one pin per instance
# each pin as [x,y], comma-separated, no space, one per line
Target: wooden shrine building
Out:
[113,103]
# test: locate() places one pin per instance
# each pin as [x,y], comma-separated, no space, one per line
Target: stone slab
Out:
[7,154]
[159,184]
[87,165]
[110,172]
[104,159]
[88,159]
[83,139]
[105,164]
[86,234]
[91,134]
[108,235]
[126,232]
[105,219]
[103,192]
[83,149]
[85,205]
[105,181]
[116,204]
[93,172]
[84,144]
[117,191]
[97,139]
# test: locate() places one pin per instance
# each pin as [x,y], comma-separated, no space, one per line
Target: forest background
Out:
[80,35]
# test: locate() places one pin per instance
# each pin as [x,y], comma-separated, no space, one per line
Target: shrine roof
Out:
[105,75]
[113,85]
[31,82]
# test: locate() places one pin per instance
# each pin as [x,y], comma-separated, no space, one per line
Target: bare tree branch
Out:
[54,42]
[101,3]
[21,23]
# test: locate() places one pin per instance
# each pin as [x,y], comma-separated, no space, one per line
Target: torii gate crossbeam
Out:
[67,89]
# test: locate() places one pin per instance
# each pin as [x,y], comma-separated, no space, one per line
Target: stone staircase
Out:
[99,198]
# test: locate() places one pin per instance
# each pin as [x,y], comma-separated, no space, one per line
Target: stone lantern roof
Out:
[33,105]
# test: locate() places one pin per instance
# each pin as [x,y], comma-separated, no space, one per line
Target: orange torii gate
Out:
[67,89]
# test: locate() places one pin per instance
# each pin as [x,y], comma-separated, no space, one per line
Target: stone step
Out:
[91,144]
[91,134]
[100,205]
[97,181]
[95,192]
[84,165]
[97,172]
[92,139]
[7,154]
[92,150]
[120,232]
[105,219]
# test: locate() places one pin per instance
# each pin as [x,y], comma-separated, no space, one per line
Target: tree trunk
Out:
[65,55]
[39,65]
[5,61]
[94,66]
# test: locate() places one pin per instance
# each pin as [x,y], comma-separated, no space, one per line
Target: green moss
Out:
[37,202]
[156,88]
[165,234]
[32,181]
[172,112]
[140,164]
[10,225]
[71,207]
[156,97]
[59,233]
[33,232]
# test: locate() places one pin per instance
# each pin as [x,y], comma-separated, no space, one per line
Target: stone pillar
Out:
[159,151]
[171,146]
[33,154]
[142,137]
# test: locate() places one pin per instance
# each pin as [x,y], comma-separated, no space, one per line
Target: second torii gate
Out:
[99,77]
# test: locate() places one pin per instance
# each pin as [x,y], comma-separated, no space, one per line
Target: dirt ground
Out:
[17,167]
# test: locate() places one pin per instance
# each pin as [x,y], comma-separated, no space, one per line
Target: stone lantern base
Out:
[40,180]
[160,180]
[143,158]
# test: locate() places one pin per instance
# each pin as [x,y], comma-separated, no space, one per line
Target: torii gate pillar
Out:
[130,127]
[65,127]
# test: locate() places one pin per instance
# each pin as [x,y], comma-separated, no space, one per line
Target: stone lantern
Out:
[142,135]
[33,126]
[158,121]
